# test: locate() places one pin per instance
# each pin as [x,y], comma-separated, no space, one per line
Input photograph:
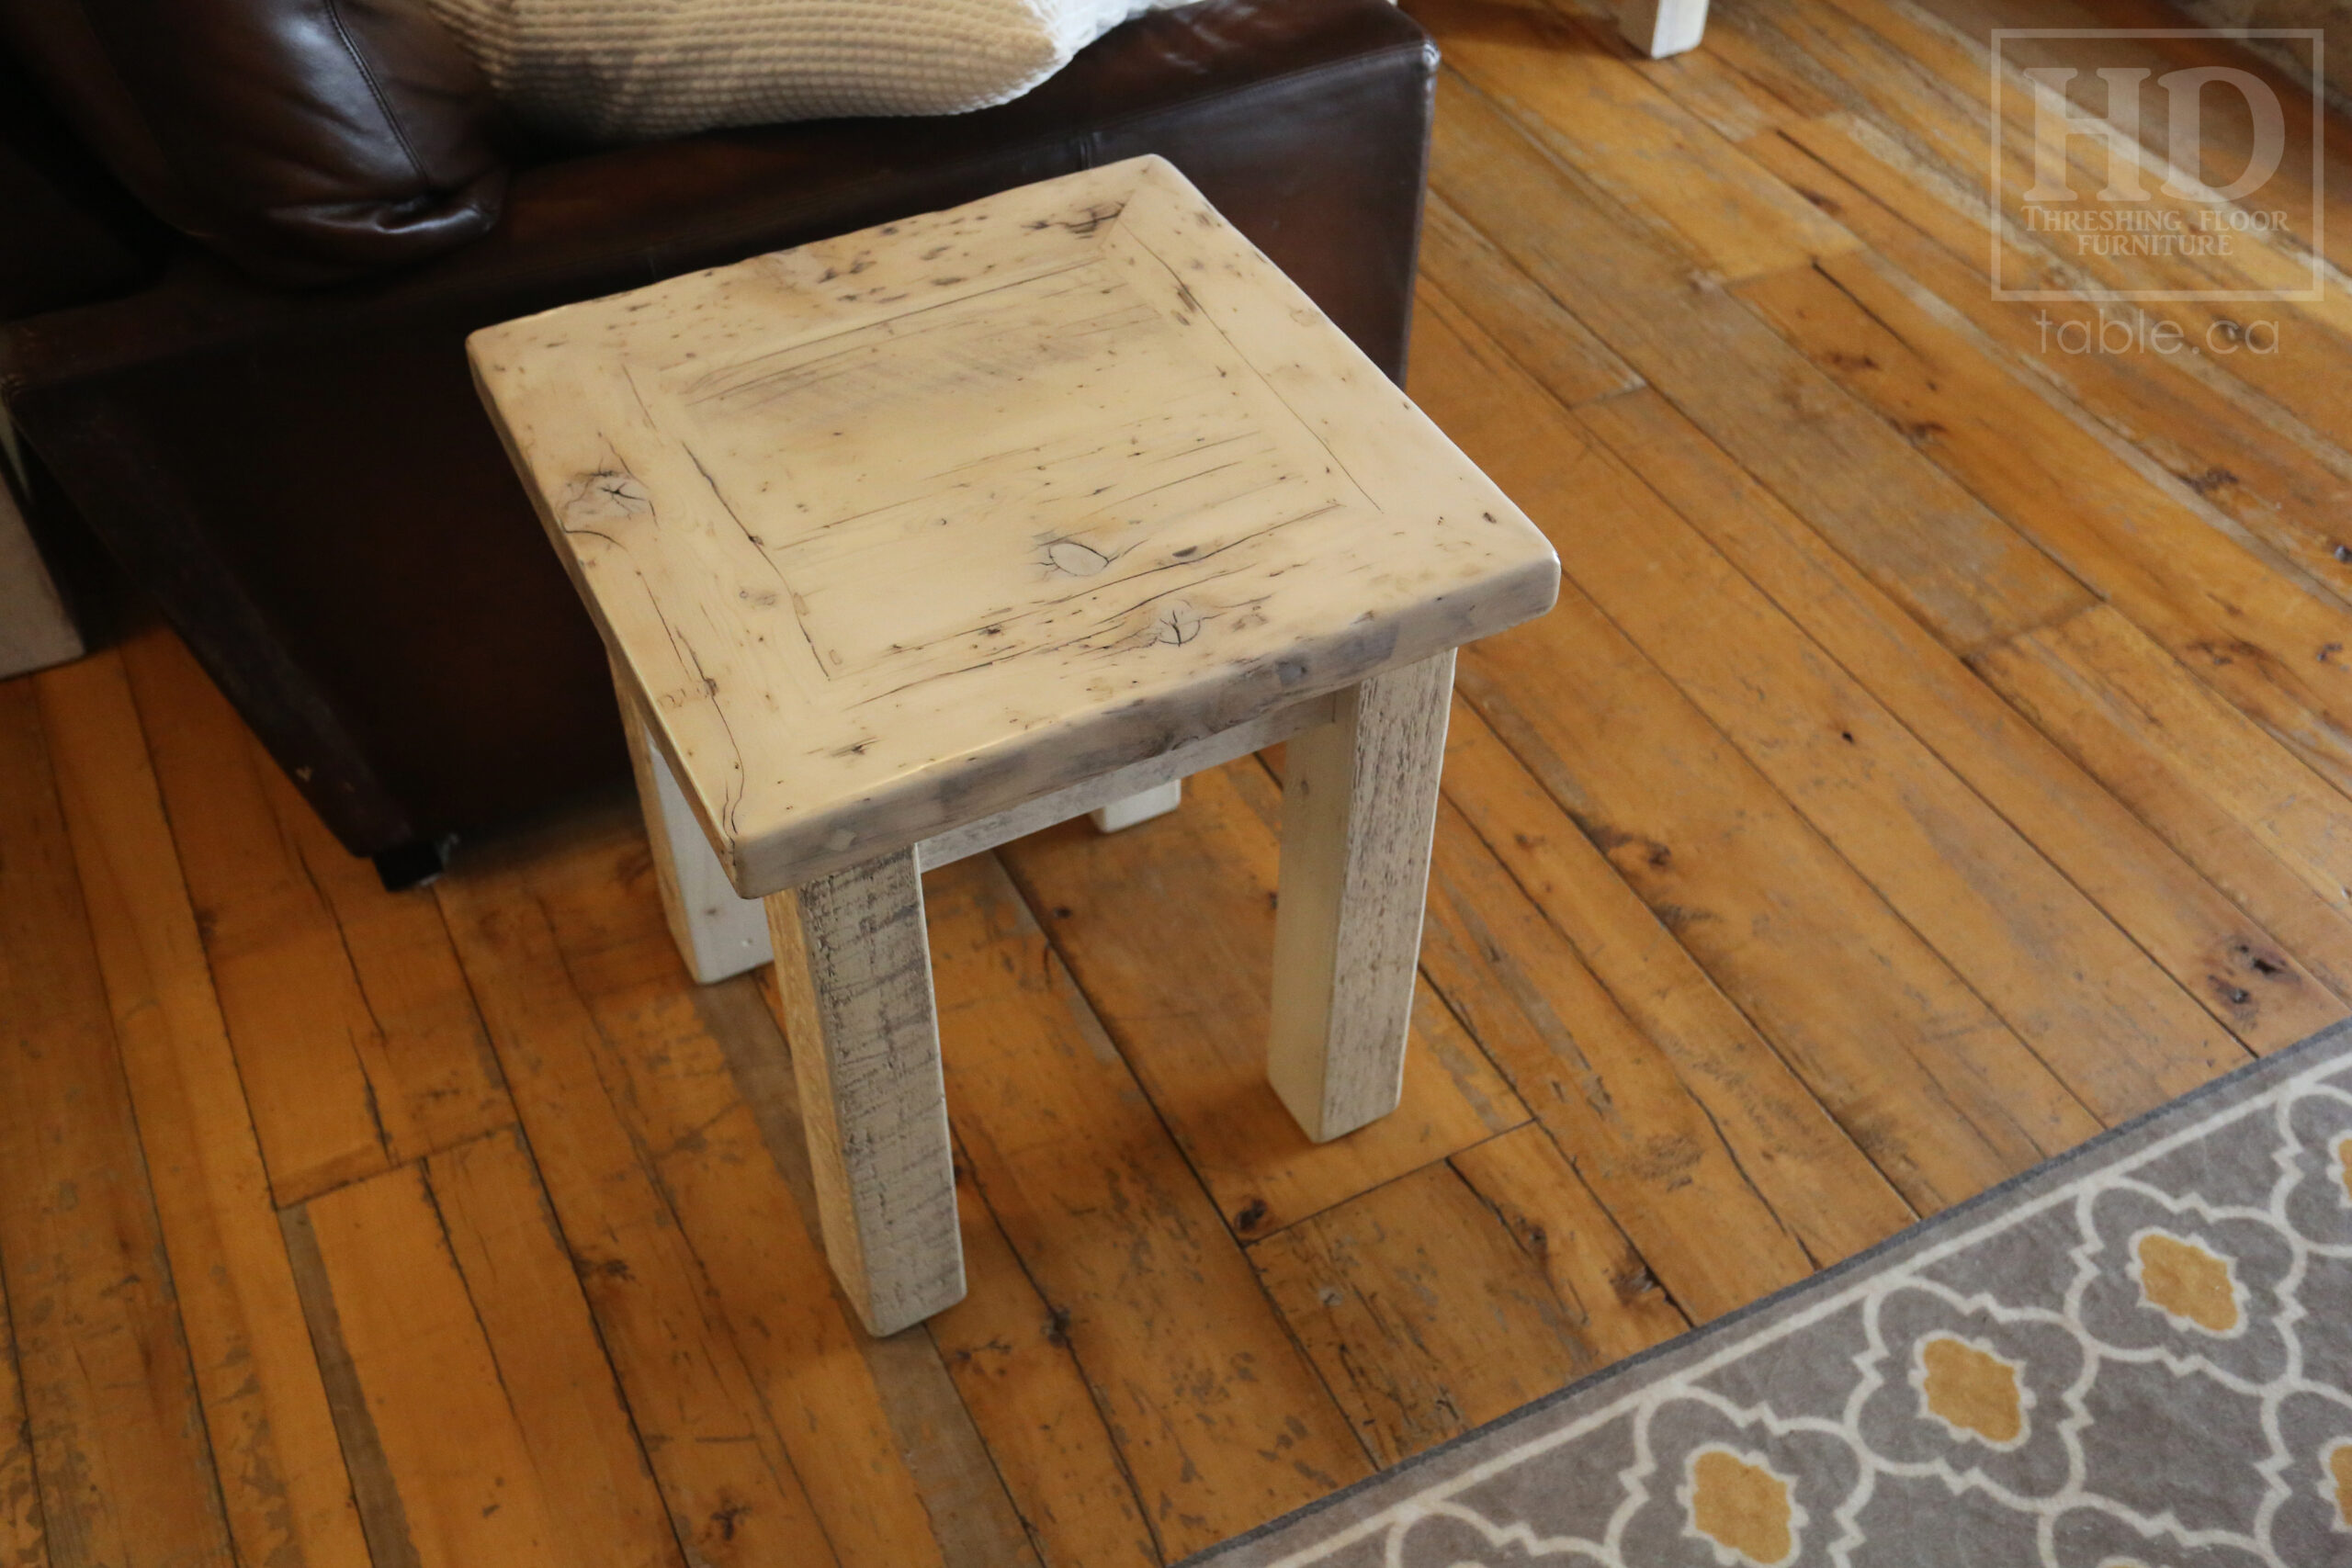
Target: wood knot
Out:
[1076,558]
[1177,623]
[605,496]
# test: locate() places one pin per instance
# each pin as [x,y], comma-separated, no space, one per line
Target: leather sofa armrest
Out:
[604,222]
[309,140]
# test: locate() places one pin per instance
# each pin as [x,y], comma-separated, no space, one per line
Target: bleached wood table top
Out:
[897,531]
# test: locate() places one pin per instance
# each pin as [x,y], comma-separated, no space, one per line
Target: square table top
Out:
[895,531]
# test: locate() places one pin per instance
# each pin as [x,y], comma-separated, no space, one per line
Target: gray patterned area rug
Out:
[2137,1356]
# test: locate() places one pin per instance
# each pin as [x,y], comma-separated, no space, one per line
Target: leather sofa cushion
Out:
[309,140]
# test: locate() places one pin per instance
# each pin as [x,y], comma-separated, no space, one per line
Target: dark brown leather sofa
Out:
[304,482]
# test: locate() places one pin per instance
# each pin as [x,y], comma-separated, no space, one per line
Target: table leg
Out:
[853,966]
[1140,806]
[719,934]
[1358,810]
[1660,28]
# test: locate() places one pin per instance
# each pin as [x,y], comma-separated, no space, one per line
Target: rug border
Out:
[2280,1063]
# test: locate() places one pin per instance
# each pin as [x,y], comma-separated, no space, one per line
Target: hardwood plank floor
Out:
[1939,752]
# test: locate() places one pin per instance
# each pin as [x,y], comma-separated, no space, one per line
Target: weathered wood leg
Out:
[1358,810]
[1140,806]
[718,933]
[1660,28]
[854,969]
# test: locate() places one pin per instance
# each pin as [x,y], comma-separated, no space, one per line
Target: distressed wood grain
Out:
[1614,1306]
[1785,926]
[719,931]
[1921,536]
[1009,1350]
[1555,348]
[1596,113]
[1187,1001]
[1429,1313]
[1215,1415]
[854,966]
[2241,806]
[1359,804]
[1833,1193]
[1917,78]
[718,1452]
[2262,641]
[2243,971]
[1630,937]
[697,1077]
[453,1439]
[353,1033]
[1738,105]
[2281,483]
[721,934]
[2117,1030]
[24,1539]
[375,1493]
[974,1515]
[605,1511]
[1127,788]
[1158,495]
[113,1414]
[1726,1174]
[282,1479]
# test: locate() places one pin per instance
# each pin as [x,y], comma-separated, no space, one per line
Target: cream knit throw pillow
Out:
[632,70]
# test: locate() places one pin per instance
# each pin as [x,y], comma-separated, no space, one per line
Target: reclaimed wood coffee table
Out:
[908,542]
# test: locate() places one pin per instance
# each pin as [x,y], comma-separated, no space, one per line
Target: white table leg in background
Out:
[718,933]
[854,968]
[1359,811]
[1660,28]
[1141,807]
